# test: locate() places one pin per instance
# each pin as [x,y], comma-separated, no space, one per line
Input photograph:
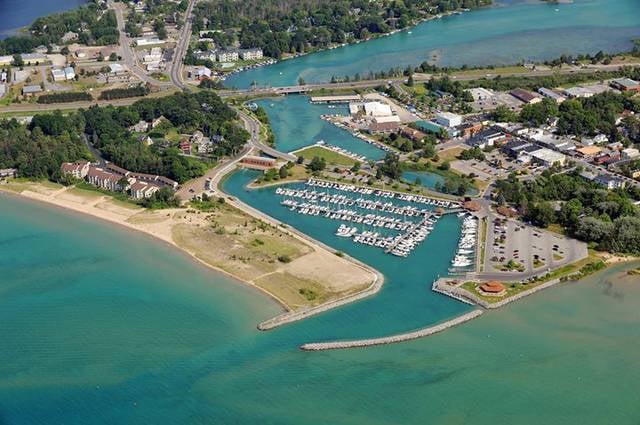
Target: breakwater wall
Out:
[421,333]
[290,317]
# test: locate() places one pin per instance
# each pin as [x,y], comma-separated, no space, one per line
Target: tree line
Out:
[297,26]
[607,219]
[38,150]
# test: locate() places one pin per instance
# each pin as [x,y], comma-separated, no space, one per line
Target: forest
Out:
[296,26]
[38,150]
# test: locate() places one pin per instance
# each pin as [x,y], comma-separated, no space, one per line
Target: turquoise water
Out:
[102,326]
[505,34]
[15,14]
[296,123]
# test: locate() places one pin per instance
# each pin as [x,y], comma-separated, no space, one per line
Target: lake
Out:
[506,33]
[15,14]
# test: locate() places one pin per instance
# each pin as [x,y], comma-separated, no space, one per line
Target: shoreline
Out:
[288,315]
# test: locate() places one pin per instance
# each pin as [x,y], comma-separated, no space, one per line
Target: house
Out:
[227,56]
[258,162]
[145,140]
[626,84]
[525,96]
[69,36]
[78,170]
[156,122]
[139,127]
[196,137]
[251,54]
[448,119]
[610,182]
[31,90]
[548,158]
[185,147]
[6,60]
[551,94]
[6,173]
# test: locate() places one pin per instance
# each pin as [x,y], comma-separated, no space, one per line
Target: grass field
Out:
[330,156]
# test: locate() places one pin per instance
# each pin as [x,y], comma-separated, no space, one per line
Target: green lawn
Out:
[330,156]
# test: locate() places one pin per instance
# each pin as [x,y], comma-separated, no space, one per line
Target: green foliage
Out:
[163,198]
[38,153]
[94,25]
[589,212]
[64,97]
[391,167]
[137,91]
[473,153]
[296,26]
[317,164]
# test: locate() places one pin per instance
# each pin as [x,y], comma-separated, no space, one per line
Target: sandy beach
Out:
[294,271]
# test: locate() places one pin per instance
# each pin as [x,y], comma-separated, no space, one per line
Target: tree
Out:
[301,81]
[113,57]
[317,164]
[17,60]
[283,172]
[503,114]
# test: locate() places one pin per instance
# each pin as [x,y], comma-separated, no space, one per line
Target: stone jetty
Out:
[421,333]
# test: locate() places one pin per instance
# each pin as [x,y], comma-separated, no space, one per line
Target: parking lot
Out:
[518,249]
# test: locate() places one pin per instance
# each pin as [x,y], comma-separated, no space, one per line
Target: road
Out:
[127,53]
[252,125]
[181,48]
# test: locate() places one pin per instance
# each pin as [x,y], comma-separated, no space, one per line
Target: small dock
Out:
[421,333]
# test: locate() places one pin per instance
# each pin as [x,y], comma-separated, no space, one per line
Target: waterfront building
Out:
[141,190]
[227,56]
[78,170]
[258,162]
[251,54]
[8,172]
[493,288]
[104,179]
[377,109]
